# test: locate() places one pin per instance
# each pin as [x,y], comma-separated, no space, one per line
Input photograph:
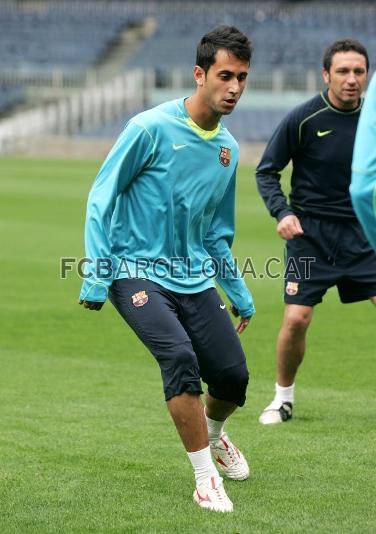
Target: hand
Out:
[244,321]
[90,305]
[289,227]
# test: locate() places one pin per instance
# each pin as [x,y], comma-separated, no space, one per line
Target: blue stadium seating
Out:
[283,33]
[71,35]
[57,35]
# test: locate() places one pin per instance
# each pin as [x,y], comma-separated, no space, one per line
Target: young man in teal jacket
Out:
[159,229]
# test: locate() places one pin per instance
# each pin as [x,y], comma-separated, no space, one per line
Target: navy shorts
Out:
[190,335]
[329,253]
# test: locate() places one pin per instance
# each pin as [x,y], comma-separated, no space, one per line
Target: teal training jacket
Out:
[162,207]
[363,182]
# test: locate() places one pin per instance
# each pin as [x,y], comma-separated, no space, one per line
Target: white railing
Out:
[79,110]
[176,78]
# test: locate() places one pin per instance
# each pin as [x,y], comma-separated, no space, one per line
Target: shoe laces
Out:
[219,490]
[229,449]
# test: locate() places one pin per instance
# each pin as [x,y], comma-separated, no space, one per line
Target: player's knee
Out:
[180,371]
[231,384]
[298,321]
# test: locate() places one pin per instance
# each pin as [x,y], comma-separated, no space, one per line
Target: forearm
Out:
[230,278]
[238,294]
[271,192]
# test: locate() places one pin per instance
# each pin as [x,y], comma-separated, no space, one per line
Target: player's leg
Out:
[187,411]
[223,367]
[310,271]
[153,313]
[225,453]
[290,354]
[291,342]
[217,409]
[373,300]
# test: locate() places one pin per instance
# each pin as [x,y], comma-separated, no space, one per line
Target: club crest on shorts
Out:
[292,288]
[140,299]
[225,156]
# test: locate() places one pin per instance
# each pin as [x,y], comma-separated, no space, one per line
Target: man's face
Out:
[346,79]
[224,83]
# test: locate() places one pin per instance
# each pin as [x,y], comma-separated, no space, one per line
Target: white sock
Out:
[282,394]
[215,428]
[203,465]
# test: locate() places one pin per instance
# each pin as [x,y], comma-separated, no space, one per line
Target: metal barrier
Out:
[77,111]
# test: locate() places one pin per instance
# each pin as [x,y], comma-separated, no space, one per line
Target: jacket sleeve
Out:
[132,152]
[218,242]
[363,180]
[280,149]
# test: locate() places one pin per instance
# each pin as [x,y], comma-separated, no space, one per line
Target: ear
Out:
[326,76]
[199,75]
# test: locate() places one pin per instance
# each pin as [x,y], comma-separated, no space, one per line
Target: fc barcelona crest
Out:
[225,156]
[292,288]
[139,299]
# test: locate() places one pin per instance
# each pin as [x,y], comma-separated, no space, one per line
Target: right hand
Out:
[289,227]
[90,305]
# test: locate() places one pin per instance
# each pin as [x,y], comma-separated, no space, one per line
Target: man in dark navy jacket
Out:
[325,244]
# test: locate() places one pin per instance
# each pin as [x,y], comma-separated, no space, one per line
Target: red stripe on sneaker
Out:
[220,461]
[224,443]
[202,499]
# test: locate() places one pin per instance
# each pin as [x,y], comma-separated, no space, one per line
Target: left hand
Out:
[244,321]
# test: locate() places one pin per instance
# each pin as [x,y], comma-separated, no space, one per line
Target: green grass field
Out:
[86,443]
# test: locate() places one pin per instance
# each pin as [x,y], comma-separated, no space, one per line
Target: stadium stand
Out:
[42,42]
[72,35]
[58,38]
[46,36]
[283,33]
[289,36]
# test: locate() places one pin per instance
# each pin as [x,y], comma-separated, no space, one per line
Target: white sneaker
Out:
[229,458]
[211,495]
[272,415]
